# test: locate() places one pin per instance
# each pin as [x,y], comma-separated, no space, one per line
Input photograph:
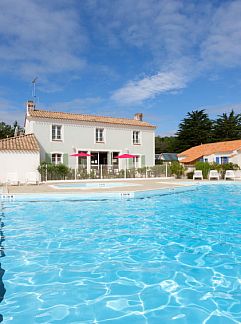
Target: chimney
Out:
[30,106]
[138,116]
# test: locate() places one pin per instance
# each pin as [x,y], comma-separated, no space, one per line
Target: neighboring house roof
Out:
[199,151]
[19,143]
[88,118]
[166,156]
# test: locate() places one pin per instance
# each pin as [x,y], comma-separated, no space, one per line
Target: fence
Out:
[103,172]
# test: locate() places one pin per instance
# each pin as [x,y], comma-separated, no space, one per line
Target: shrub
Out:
[52,171]
[190,175]
[177,169]
[204,167]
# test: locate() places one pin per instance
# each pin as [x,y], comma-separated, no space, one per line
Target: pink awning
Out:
[125,156]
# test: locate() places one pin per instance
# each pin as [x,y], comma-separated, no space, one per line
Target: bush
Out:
[190,175]
[53,171]
[177,169]
[221,168]
[204,167]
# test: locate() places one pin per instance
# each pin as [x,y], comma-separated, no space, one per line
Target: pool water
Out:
[93,185]
[165,259]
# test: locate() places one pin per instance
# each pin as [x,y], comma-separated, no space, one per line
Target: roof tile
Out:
[197,152]
[88,118]
[20,143]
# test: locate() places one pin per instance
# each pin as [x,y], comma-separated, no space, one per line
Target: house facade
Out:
[220,153]
[61,134]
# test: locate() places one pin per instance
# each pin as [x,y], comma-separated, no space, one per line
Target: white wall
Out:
[20,162]
[81,135]
[236,159]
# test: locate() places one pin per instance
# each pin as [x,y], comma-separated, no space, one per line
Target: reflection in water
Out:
[2,254]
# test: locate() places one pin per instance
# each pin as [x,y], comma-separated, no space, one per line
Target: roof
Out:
[20,143]
[88,118]
[166,156]
[197,152]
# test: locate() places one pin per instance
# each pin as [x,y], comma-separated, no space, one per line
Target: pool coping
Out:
[117,195]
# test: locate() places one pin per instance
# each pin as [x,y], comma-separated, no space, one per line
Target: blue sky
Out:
[119,57]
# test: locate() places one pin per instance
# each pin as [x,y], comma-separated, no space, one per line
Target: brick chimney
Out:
[30,106]
[138,116]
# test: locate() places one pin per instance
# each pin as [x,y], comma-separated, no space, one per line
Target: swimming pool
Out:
[164,259]
[93,185]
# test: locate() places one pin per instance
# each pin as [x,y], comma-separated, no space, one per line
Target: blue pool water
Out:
[165,259]
[93,185]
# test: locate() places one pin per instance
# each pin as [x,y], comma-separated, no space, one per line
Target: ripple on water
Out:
[165,259]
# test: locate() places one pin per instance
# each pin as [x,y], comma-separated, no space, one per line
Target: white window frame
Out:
[55,139]
[134,142]
[103,135]
[61,157]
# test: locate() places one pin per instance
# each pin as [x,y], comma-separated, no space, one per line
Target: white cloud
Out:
[202,35]
[77,105]
[225,108]
[9,112]
[149,87]
[223,43]
[40,38]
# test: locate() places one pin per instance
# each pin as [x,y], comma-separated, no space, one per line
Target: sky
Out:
[163,58]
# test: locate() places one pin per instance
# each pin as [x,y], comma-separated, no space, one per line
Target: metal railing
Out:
[107,172]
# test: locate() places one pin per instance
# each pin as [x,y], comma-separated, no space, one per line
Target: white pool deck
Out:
[136,187]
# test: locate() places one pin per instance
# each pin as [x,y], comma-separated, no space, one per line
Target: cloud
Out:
[77,105]
[149,87]
[203,35]
[40,38]
[9,112]
[215,110]
[223,43]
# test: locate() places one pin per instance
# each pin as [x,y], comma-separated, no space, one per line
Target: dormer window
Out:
[99,135]
[56,133]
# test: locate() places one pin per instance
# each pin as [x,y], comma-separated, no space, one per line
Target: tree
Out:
[194,130]
[227,127]
[8,130]
[165,144]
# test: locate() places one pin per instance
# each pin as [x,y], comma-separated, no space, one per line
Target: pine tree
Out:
[194,130]
[227,127]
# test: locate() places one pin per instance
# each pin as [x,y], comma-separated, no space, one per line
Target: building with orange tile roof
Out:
[219,152]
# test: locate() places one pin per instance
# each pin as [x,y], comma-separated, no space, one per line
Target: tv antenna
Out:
[34,88]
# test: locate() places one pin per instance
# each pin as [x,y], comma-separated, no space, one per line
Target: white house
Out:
[219,152]
[61,134]
[18,156]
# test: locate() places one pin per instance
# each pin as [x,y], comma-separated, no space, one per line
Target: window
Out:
[56,132]
[136,137]
[99,135]
[56,158]
[224,159]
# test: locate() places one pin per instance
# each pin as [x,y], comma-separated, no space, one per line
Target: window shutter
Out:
[217,159]
[143,160]
[48,158]
[65,159]
[130,163]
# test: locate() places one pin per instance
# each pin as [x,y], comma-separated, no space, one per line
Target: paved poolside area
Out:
[140,185]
